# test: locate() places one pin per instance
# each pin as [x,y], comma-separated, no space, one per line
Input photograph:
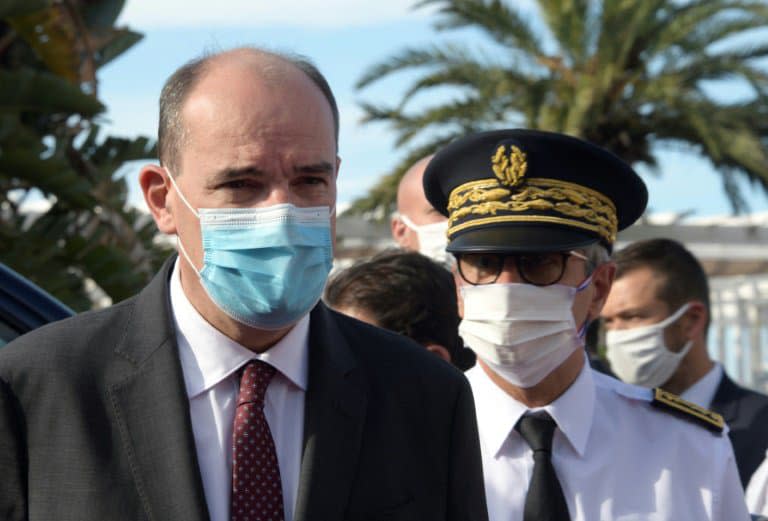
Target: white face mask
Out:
[640,356]
[521,331]
[432,239]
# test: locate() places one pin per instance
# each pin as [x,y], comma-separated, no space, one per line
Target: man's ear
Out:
[399,229]
[695,319]
[457,281]
[602,280]
[154,186]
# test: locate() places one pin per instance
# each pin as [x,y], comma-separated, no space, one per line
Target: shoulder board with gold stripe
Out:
[672,402]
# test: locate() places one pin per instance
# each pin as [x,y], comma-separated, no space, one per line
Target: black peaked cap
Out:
[525,190]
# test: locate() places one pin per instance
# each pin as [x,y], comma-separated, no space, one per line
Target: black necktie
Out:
[545,500]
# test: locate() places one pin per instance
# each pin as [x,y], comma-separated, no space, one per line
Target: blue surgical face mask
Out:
[264,267]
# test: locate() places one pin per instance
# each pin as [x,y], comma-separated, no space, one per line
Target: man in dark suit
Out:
[657,317]
[226,363]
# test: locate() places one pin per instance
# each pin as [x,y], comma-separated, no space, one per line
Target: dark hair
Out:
[405,292]
[682,276]
[171,131]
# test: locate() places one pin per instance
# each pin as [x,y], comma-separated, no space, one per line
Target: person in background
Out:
[657,318]
[417,226]
[532,217]
[225,390]
[405,292]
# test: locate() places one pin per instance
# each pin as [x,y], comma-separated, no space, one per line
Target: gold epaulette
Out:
[672,402]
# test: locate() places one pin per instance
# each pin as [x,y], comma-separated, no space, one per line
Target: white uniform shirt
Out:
[757,490]
[209,361]
[616,456]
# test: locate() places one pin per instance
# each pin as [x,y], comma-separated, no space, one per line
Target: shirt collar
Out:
[497,412]
[208,356]
[702,392]
[573,411]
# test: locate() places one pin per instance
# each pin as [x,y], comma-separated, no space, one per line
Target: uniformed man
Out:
[532,218]
[657,319]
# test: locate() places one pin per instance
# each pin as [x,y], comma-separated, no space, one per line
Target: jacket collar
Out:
[334,415]
[152,412]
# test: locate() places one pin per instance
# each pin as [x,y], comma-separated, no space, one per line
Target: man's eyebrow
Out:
[314,168]
[235,173]
[228,173]
[632,310]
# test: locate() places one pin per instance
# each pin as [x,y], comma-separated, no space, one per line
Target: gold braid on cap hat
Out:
[511,197]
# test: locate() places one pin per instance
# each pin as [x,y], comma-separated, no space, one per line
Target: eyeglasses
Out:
[539,269]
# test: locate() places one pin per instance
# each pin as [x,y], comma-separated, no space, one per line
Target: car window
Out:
[24,306]
[7,333]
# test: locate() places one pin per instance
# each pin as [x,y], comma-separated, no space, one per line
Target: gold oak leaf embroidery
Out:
[509,169]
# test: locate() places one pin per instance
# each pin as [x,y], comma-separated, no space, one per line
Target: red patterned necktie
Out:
[257,494]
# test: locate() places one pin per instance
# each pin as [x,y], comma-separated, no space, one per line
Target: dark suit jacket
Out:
[746,413]
[94,424]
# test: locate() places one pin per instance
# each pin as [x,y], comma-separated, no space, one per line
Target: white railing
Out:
[738,335]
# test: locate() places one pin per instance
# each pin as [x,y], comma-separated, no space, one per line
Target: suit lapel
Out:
[333,422]
[152,410]
[726,400]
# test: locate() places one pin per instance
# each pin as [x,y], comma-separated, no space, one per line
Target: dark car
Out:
[24,306]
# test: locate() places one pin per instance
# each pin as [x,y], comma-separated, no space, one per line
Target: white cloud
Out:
[148,14]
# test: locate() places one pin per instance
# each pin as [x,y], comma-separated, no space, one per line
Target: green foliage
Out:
[625,74]
[51,148]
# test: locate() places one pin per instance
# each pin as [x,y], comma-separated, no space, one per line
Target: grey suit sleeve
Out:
[12,458]
[467,492]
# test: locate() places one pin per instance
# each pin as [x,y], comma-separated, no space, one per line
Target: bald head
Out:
[268,67]
[410,192]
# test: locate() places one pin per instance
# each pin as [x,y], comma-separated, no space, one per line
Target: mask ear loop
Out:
[584,285]
[409,223]
[196,214]
[582,332]
[421,227]
[181,194]
[674,317]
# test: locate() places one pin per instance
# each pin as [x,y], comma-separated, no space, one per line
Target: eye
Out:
[314,180]
[239,184]
[480,261]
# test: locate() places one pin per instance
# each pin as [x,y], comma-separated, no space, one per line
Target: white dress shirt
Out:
[616,456]
[757,490]
[703,392]
[210,361]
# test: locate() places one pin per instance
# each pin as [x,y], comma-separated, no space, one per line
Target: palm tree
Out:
[51,149]
[628,75]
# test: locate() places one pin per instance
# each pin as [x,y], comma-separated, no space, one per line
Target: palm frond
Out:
[503,24]
[625,74]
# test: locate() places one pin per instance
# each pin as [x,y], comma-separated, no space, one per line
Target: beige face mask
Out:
[640,356]
[521,331]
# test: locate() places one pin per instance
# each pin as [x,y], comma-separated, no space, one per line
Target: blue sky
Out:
[343,37]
